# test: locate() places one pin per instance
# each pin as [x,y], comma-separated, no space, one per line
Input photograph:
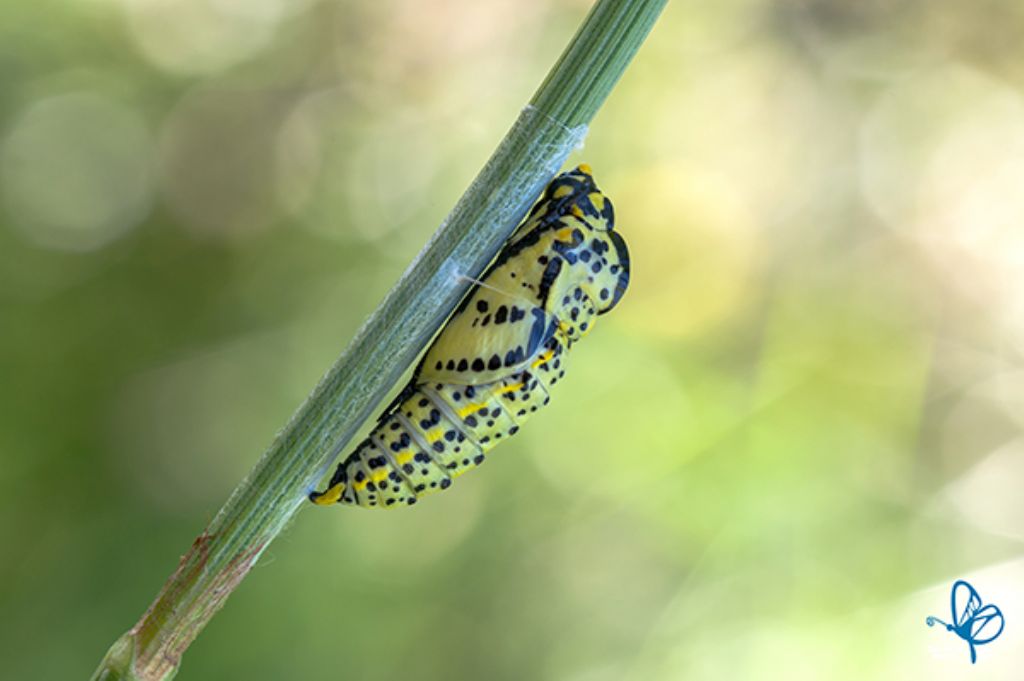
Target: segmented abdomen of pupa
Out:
[440,431]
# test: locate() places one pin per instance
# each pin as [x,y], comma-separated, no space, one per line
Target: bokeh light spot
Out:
[75,171]
[330,162]
[987,495]
[216,163]
[905,130]
[692,250]
[195,37]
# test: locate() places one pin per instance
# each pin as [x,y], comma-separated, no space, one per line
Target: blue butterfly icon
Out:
[973,623]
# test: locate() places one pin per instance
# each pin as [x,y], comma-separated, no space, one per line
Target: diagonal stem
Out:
[546,131]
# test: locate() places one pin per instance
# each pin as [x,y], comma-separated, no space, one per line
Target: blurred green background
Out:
[801,425]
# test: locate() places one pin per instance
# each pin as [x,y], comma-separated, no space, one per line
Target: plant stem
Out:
[530,154]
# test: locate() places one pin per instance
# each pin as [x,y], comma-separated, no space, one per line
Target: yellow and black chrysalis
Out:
[497,358]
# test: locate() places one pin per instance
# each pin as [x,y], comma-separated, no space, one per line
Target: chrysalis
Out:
[497,359]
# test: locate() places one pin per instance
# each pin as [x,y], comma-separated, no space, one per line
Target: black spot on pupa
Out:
[478,365]
[481,306]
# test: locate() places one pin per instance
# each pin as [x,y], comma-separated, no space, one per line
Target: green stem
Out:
[530,154]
